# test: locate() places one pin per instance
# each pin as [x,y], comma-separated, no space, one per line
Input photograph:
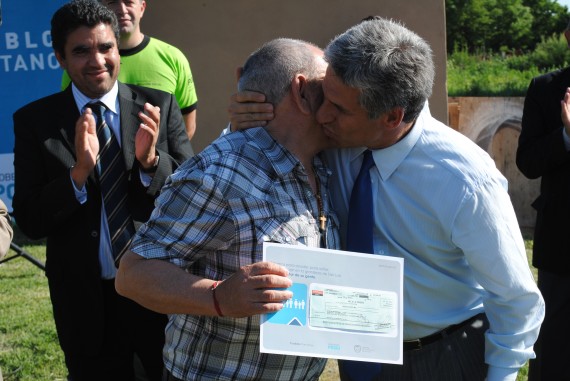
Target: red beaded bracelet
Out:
[216,304]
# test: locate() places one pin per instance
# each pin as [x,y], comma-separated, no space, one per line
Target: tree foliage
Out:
[502,25]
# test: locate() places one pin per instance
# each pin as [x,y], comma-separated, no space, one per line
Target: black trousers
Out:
[130,330]
[459,356]
[551,348]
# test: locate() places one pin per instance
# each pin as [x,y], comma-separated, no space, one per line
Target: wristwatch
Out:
[154,166]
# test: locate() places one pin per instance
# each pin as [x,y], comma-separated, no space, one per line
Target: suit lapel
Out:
[130,121]
[66,116]
[563,82]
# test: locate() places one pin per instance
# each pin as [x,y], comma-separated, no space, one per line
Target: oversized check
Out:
[345,305]
[358,310]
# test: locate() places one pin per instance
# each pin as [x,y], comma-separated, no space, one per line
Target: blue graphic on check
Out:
[294,311]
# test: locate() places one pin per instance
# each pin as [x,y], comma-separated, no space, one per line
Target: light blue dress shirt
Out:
[441,204]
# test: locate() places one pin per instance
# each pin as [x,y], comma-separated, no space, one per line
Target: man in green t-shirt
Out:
[146,61]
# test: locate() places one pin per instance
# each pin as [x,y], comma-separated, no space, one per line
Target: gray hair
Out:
[271,68]
[390,65]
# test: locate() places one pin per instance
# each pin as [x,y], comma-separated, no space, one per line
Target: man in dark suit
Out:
[544,151]
[59,192]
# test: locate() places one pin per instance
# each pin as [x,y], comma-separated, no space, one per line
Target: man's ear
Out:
[239,72]
[394,117]
[300,92]
[143,8]
[61,60]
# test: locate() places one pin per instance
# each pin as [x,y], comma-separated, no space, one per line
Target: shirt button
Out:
[94,234]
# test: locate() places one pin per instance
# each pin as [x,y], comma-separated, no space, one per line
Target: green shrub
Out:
[551,53]
[489,74]
[503,74]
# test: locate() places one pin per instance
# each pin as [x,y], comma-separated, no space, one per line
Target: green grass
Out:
[29,349]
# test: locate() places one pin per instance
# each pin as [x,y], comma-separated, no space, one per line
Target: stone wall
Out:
[495,125]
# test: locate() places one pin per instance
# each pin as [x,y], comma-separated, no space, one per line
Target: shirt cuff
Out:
[502,374]
[146,179]
[566,139]
[80,194]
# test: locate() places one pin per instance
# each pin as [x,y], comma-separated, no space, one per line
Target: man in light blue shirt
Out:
[440,204]
[471,307]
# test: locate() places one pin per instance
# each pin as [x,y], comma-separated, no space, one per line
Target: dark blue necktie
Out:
[113,183]
[359,238]
[361,210]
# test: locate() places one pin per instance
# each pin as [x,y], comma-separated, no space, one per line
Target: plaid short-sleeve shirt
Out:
[211,218]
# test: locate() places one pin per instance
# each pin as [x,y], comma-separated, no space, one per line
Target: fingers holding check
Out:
[255,289]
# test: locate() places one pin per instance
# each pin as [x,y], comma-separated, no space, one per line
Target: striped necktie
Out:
[113,183]
[359,238]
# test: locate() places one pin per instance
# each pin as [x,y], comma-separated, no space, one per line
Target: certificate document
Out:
[345,305]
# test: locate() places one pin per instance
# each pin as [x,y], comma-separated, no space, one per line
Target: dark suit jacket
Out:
[45,204]
[542,153]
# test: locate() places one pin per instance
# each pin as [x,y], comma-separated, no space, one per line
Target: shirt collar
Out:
[282,161]
[110,100]
[388,159]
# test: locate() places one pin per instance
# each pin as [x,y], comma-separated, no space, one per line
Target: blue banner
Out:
[28,71]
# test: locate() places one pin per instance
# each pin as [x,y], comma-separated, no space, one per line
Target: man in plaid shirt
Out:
[212,217]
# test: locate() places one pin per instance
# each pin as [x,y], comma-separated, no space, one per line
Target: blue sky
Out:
[564,2]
